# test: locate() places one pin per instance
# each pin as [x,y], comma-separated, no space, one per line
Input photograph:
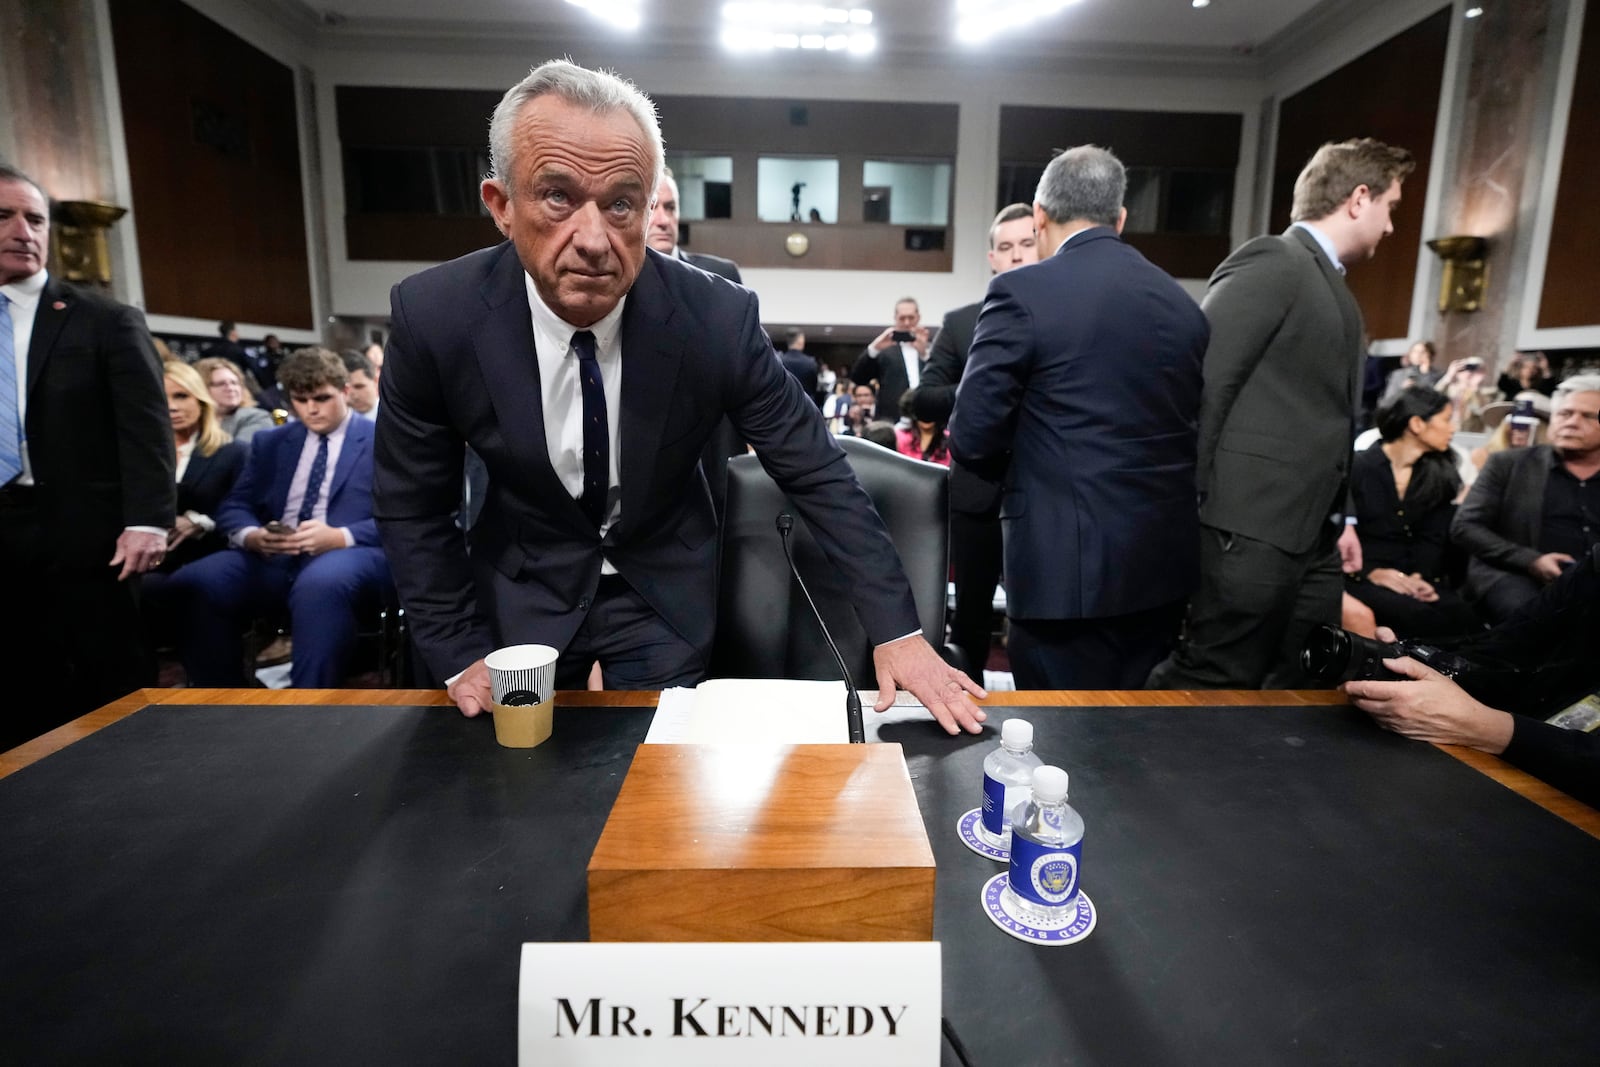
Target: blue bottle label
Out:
[994,805]
[1046,875]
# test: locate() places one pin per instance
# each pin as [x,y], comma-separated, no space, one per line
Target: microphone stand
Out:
[852,699]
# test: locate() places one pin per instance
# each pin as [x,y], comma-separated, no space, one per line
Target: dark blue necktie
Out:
[596,430]
[10,420]
[319,471]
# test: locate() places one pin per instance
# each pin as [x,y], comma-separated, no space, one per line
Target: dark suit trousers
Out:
[1116,652]
[74,641]
[634,645]
[977,548]
[1249,619]
[219,595]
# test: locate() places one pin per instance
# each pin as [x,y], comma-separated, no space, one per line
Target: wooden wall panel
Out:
[1571,295]
[214,156]
[1390,93]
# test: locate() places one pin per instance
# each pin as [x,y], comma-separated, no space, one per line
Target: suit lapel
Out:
[652,352]
[357,446]
[294,440]
[48,321]
[1349,312]
[503,343]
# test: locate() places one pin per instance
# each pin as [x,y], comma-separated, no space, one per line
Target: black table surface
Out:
[352,885]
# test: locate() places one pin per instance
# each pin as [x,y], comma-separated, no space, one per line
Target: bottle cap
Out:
[1016,732]
[1049,784]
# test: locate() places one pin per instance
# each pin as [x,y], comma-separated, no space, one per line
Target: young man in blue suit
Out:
[1082,391]
[588,371]
[300,526]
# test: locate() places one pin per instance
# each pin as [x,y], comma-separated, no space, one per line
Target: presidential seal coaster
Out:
[968,829]
[1003,907]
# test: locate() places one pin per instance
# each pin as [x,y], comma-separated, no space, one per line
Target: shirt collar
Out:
[1323,243]
[546,321]
[28,289]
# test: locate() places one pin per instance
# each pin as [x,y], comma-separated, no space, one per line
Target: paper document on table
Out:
[751,711]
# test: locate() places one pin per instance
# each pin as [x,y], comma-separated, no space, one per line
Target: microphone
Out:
[852,699]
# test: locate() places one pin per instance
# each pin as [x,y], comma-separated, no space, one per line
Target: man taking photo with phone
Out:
[895,359]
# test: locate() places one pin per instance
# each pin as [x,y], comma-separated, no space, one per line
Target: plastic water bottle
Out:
[1007,777]
[1046,846]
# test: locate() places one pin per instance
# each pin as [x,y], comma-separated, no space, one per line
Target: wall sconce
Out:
[1466,272]
[78,239]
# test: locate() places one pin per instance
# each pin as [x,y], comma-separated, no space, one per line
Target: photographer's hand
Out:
[1430,707]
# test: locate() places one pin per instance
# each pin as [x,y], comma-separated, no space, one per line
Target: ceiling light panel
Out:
[623,14]
[765,27]
[979,20]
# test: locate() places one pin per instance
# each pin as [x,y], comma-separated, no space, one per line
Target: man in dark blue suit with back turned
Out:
[588,371]
[300,526]
[1083,390]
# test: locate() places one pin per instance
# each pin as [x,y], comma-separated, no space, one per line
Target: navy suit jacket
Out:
[262,490]
[461,370]
[1084,376]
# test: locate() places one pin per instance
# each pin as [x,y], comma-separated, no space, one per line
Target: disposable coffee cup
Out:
[523,678]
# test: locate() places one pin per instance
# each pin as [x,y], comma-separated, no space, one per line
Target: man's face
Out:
[1575,424]
[1014,245]
[579,207]
[663,235]
[362,391]
[322,409]
[906,315]
[1373,220]
[24,231]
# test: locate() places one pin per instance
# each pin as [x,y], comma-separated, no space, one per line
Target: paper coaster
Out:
[1003,907]
[967,828]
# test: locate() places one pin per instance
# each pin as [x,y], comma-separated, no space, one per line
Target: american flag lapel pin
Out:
[59,305]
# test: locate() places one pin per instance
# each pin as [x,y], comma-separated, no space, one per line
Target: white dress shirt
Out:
[913,361]
[561,396]
[24,296]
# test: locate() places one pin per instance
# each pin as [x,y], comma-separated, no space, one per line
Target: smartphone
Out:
[277,529]
[903,336]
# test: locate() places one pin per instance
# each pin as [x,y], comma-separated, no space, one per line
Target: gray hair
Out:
[1086,182]
[600,91]
[1578,383]
[8,173]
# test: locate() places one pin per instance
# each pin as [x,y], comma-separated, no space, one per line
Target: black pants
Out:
[635,646]
[1249,619]
[76,637]
[976,551]
[1107,653]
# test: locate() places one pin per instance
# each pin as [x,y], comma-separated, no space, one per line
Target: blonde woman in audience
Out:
[237,412]
[209,462]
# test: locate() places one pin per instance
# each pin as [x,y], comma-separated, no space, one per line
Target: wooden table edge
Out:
[1548,797]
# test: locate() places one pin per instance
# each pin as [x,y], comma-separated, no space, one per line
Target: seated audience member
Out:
[363,390]
[301,531]
[1403,493]
[237,412]
[209,462]
[924,439]
[883,433]
[1538,662]
[1467,384]
[863,410]
[836,408]
[1514,431]
[1529,514]
[1527,372]
[1416,368]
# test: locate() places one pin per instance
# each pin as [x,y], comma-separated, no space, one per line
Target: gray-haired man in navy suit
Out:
[588,371]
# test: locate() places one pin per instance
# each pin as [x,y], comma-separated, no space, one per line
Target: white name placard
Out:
[871,1004]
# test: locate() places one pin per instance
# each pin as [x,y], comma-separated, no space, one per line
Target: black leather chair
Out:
[764,628]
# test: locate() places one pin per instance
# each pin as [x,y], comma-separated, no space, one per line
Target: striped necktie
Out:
[10,418]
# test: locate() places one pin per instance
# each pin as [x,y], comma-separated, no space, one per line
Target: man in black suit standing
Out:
[1083,389]
[895,358]
[587,370]
[975,540]
[663,237]
[797,362]
[87,484]
[1283,385]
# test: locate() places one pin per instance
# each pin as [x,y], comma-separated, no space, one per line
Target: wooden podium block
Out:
[763,843]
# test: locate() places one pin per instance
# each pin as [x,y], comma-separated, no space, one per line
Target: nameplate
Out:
[846,1004]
